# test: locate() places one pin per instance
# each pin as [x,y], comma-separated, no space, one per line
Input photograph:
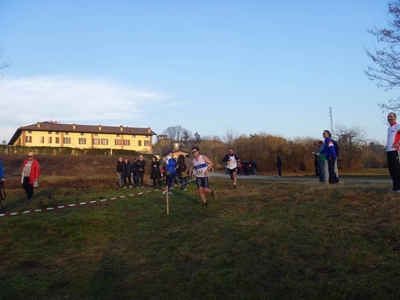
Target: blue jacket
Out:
[2,170]
[329,149]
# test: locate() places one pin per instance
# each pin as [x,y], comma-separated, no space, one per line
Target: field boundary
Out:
[74,204]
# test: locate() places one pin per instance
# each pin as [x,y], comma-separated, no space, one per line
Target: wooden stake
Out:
[167,193]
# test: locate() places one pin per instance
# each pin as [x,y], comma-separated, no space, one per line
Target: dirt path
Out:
[354,179]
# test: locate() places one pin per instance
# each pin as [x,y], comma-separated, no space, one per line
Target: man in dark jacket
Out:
[127,172]
[120,163]
[141,164]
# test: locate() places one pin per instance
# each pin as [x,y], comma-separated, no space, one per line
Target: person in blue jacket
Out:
[2,176]
[330,155]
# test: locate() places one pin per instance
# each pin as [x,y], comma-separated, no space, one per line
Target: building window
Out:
[29,131]
[50,132]
[66,133]
[82,141]
[42,139]
[50,139]
[104,141]
[139,143]
[96,141]
[134,135]
[96,134]
[67,140]
[57,132]
[117,135]
[117,142]
[82,133]
[57,140]
[147,143]
[127,142]
[28,139]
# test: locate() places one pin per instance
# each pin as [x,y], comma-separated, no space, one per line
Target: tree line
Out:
[356,152]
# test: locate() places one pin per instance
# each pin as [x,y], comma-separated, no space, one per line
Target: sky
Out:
[213,66]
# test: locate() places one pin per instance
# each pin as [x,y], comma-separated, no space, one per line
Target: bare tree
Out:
[177,134]
[351,141]
[3,63]
[386,59]
[230,137]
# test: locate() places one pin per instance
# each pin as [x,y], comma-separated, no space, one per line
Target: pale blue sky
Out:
[249,67]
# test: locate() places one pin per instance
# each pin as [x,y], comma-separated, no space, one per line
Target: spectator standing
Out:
[170,171]
[231,161]
[155,172]
[119,171]
[392,151]
[279,165]
[330,155]
[201,165]
[2,175]
[254,167]
[181,170]
[188,162]
[30,175]
[321,161]
[127,172]
[135,170]
[141,164]
[240,168]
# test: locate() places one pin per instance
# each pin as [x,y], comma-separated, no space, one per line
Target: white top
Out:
[393,136]
[200,167]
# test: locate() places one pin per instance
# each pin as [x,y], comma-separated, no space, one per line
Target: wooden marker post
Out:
[167,199]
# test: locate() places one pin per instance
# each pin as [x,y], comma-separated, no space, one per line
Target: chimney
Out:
[121,128]
[148,129]
[73,126]
[38,124]
[99,127]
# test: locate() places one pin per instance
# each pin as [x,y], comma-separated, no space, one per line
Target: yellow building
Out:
[55,134]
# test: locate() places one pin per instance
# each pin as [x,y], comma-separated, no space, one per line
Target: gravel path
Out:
[304,178]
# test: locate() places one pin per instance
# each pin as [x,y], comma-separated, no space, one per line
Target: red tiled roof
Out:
[55,126]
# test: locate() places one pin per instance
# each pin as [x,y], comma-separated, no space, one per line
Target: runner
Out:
[201,165]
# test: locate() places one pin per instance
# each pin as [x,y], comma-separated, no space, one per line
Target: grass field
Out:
[263,240]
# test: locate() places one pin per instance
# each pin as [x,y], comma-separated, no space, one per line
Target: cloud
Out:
[70,100]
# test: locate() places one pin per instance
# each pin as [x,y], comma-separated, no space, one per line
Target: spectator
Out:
[254,166]
[2,175]
[30,175]
[279,165]
[155,172]
[141,164]
[181,170]
[392,151]
[170,170]
[127,172]
[119,171]
[134,171]
[240,168]
[188,162]
[321,161]
[330,155]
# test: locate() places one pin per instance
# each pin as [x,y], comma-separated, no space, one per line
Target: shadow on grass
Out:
[21,202]
[109,281]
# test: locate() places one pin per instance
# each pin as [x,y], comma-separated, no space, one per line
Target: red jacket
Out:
[35,171]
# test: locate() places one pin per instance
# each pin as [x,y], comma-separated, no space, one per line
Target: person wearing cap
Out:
[30,174]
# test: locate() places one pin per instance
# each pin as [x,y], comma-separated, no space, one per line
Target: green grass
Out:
[264,240]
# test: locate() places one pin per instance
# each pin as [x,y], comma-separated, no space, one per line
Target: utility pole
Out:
[330,116]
